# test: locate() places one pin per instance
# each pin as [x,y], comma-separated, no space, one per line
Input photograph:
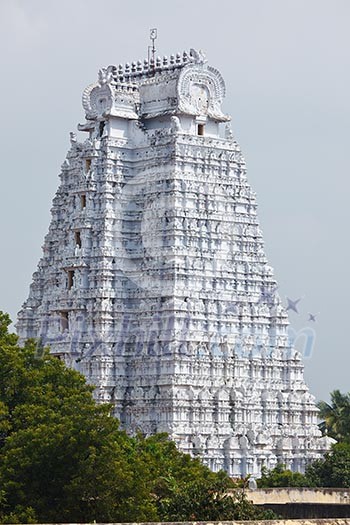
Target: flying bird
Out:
[312,317]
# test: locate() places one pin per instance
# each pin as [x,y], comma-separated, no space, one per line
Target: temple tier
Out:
[154,282]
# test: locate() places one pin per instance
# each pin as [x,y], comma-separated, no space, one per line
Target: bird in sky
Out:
[312,317]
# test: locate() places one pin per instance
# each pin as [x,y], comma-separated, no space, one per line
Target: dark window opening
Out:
[77,238]
[83,201]
[87,164]
[64,321]
[200,129]
[70,274]
[102,127]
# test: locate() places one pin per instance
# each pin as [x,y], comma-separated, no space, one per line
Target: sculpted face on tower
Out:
[97,99]
[200,91]
[200,98]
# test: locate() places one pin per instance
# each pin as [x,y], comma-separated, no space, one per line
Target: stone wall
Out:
[308,511]
[333,521]
[303,503]
[300,495]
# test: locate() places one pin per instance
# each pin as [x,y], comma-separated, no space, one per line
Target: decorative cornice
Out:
[140,70]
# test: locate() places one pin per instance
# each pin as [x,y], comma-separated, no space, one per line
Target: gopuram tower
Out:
[154,282]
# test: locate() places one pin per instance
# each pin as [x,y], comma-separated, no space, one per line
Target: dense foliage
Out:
[336,416]
[282,477]
[333,470]
[63,458]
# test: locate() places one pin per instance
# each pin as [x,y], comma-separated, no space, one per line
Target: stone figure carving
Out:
[175,124]
[72,137]
[105,75]
[198,56]
[244,443]
[228,132]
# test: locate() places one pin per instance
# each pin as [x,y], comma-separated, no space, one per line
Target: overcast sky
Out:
[287,71]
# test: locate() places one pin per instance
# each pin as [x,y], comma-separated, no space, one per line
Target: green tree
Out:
[184,489]
[62,457]
[336,416]
[333,470]
[207,499]
[282,477]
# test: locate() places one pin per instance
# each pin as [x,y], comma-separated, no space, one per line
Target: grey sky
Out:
[286,64]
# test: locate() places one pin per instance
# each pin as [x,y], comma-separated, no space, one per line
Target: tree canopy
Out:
[336,416]
[63,458]
[282,477]
[333,470]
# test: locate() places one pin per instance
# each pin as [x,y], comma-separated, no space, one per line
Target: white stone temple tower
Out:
[154,282]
